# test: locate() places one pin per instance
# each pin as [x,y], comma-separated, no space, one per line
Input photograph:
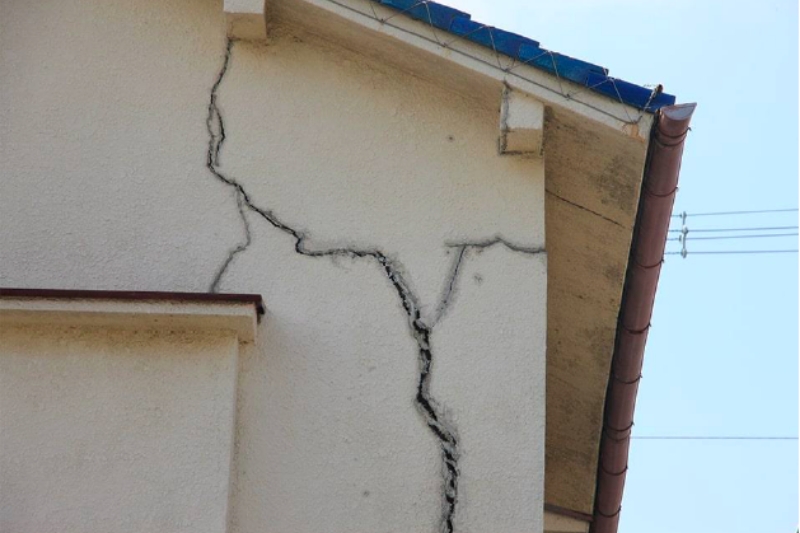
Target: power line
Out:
[717,237]
[709,437]
[709,230]
[722,213]
[722,252]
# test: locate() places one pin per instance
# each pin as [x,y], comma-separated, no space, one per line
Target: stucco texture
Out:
[105,185]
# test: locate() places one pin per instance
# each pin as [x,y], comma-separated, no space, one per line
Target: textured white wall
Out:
[104,145]
[116,431]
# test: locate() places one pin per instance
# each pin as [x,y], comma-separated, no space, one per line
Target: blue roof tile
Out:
[499,40]
[528,51]
[436,14]
[628,92]
[558,64]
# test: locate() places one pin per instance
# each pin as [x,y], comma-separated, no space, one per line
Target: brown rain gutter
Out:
[644,266]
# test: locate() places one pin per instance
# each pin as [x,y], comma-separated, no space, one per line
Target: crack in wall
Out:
[432,413]
[462,249]
[238,249]
[450,285]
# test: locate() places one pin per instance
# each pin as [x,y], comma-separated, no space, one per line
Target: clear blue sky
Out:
[722,358]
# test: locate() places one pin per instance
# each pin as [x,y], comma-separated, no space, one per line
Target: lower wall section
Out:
[113,431]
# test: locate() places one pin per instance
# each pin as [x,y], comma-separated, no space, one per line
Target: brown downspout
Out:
[644,266]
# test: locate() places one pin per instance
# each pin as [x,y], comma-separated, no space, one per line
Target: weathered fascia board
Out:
[521,124]
[239,319]
[323,16]
[245,19]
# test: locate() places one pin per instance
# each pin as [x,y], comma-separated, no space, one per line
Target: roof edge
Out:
[395,36]
[526,51]
[660,183]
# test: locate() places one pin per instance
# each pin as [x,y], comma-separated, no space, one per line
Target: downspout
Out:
[659,186]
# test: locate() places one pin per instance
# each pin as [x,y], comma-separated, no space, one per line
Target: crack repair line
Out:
[433,415]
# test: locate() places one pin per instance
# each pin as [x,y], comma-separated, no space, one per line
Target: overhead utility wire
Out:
[709,230]
[731,252]
[683,234]
[715,437]
[722,213]
[717,237]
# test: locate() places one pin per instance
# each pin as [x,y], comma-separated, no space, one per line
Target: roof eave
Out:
[554,79]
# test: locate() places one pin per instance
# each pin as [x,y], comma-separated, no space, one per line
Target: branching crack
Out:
[461,251]
[421,330]
[488,243]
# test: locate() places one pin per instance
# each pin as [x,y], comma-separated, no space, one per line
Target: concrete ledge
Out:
[132,310]
[245,19]
[521,124]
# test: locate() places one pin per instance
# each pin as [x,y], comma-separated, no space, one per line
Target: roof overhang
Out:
[594,147]
[344,21]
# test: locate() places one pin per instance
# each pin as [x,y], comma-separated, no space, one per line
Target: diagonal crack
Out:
[450,286]
[421,330]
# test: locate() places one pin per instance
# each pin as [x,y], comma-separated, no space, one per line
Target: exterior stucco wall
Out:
[105,185]
[118,431]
